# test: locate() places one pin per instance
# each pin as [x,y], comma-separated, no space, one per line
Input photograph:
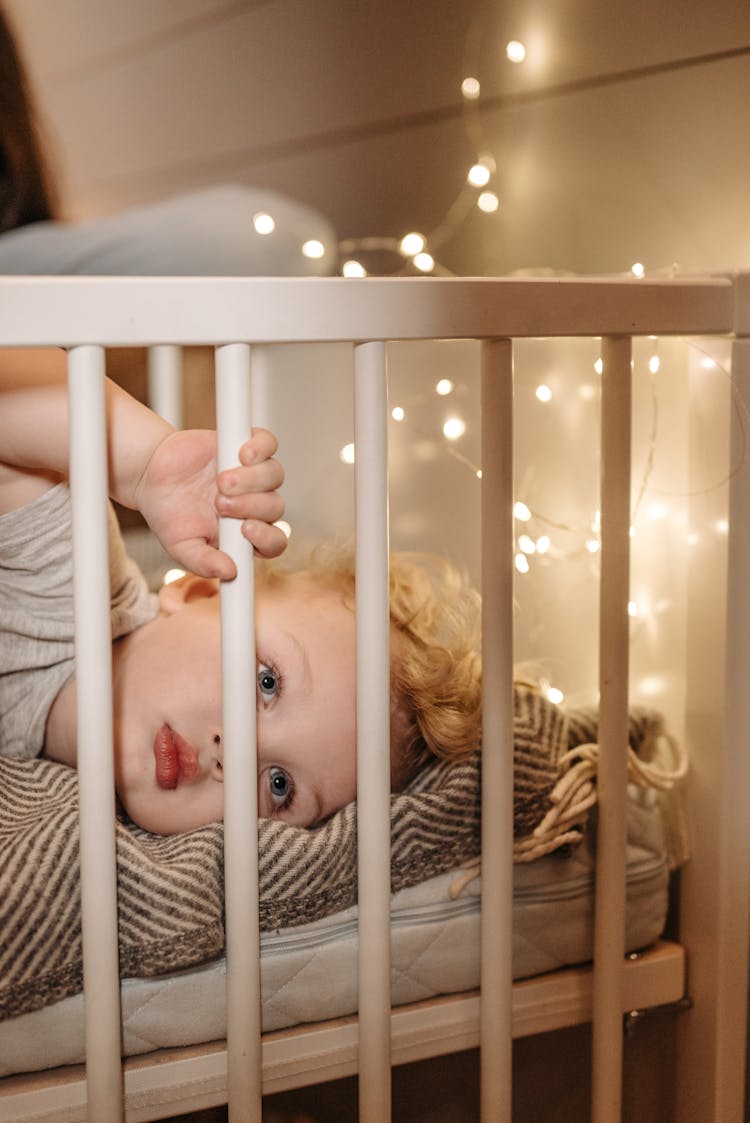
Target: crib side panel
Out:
[714,901]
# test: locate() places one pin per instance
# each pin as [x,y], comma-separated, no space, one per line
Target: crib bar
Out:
[165,382]
[731,971]
[88,479]
[238,674]
[373,731]
[609,932]
[262,387]
[497,723]
[142,310]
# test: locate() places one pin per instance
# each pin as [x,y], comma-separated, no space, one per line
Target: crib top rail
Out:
[117,311]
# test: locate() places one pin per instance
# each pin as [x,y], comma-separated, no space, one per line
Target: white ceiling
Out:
[622,136]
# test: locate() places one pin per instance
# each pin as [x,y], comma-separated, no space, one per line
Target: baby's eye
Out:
[282,788]
[268,683]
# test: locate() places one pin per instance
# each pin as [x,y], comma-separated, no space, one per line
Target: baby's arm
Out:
[170,476]
[34,428]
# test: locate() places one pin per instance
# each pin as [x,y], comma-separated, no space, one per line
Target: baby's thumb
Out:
[197,556]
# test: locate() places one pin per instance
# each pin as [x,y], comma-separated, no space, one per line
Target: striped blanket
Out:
[171,888]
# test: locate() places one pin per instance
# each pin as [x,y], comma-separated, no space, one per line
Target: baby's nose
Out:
[218,755]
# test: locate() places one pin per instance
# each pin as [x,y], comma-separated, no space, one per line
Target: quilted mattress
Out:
[309,972]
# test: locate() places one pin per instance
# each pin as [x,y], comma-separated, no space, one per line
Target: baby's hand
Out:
[249,492]
[181,496]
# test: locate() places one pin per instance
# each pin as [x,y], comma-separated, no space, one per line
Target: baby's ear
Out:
[184,590]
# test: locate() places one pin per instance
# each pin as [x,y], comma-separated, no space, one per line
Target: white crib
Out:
[710,962]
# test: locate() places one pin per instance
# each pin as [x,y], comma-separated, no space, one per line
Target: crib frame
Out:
[87,315]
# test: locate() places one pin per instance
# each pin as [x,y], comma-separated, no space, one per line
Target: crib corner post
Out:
[715,901]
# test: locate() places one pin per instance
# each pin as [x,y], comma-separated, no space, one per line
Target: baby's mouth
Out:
[174,757]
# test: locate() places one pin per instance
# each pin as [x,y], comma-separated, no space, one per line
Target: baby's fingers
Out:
[265,506]
[198,556]
[262,445]
[266,475]
[267,540]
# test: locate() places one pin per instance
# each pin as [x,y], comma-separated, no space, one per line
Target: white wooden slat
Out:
[96,783]
[165,382]
[238,672]
[373,732]
[497,723]
[610,901]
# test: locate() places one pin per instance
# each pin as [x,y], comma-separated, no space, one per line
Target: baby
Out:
[166,661]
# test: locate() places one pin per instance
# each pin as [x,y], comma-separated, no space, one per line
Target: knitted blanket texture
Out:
[171,888]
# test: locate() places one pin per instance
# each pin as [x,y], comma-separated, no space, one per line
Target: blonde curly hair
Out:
[436,670]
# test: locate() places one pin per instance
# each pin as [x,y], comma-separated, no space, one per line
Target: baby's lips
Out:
[175,759]
[165,756]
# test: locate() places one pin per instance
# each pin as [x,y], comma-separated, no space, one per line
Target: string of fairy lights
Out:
[415,252]
[537,537]
[540,538]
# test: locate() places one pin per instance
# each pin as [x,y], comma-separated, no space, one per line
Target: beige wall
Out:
[621,138]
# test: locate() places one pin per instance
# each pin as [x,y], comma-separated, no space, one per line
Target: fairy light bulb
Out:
[593,545]
[637,269]
[284,527]
[555,695]
[599,366]
[346,455]
[654,363]
[424,262]
[263,223]
[543,544]
[453,428]
[478,175]
[353,268]
[313,248]
[515,51]
[398,413]
[521,563]
[444,386]
[471,88]
[526,545]
[521,512]
[543,393]
[488,202]
[633,609]
[412,244]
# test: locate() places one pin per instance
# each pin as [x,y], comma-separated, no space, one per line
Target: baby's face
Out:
[168,731]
